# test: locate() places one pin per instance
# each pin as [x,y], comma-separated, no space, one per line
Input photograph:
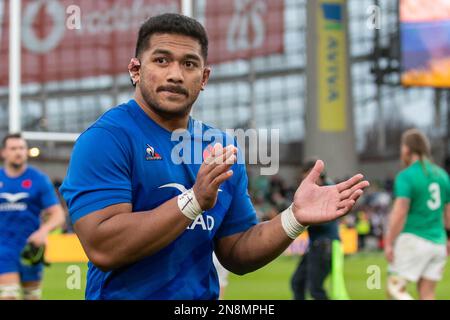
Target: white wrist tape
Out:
[290,224]
[189,205]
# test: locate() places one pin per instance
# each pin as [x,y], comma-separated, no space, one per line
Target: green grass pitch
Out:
[270,282]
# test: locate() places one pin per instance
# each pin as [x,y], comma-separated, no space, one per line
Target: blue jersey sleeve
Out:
[98,174]
[48,196]
[242,215]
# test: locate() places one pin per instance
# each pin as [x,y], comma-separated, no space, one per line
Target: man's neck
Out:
[415,158]
[14,172]
[168,124]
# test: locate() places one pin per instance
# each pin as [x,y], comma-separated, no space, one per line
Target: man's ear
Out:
[206,74]
[134,69]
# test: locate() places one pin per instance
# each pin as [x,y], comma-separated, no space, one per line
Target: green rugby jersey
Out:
[427,186]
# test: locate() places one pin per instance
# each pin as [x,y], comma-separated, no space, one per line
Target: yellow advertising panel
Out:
[67,248]
[64,248]
[349,240]
[332,66]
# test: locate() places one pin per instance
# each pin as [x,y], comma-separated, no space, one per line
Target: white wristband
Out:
[290,224]
[188,204]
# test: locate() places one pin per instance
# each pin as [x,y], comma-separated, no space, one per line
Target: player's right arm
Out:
[447,226]
[114,235]
[399,213]
[397,220]
[447,214]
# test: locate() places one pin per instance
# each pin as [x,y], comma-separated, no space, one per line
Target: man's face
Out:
[15,152]
[172,74]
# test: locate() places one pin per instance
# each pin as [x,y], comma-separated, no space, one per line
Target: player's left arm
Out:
[313,204]
[53,213]
[55,218]
[396,224]
[447,217]
[403,193]
[250,250]
[447,226]
[447,214]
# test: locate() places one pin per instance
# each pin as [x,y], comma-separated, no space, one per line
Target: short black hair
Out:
[171,23]
[10,136]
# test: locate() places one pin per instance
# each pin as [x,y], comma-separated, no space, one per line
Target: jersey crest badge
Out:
[151,154]
[27,184]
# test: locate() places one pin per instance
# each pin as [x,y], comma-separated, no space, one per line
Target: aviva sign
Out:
[332,66]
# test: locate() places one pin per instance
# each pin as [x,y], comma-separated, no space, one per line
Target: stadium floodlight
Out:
[34,152]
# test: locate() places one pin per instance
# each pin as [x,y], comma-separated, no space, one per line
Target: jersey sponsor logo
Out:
[13,198]
[12,201]
[204,222]
[178,186]
[151,154]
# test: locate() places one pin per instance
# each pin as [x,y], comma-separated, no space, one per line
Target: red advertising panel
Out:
[74,39]
[55,46]
[240,29]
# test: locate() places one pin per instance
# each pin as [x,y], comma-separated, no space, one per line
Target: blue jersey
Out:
[22,200]
[126,157]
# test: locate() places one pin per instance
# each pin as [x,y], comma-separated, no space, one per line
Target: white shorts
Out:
[221,272]
[416,258]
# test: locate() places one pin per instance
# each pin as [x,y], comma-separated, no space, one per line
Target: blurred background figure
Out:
[315,265]
[416,239]
[24,193]
[363,228]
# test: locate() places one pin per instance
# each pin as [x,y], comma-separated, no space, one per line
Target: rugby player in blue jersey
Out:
[148,223]
[25,194]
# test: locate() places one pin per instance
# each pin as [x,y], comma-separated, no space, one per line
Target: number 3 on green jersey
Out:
[435,196]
